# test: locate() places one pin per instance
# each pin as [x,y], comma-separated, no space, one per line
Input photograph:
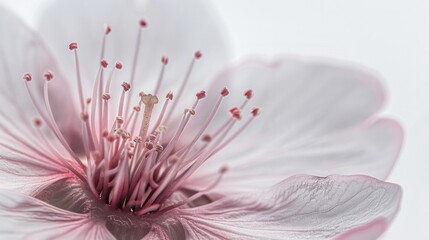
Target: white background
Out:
[391,36]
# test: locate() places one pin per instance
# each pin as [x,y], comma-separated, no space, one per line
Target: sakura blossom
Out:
[123,120]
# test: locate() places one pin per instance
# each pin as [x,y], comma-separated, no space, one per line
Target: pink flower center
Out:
[130,161]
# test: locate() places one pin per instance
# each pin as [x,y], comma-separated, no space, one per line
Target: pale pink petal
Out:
[370,231]
[300,207]
[302,98]
[156,232]
[369,149]
[23,52]
[176,29]
[25,217]
[28,176]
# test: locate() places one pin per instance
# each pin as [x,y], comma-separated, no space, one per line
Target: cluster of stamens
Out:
[129,162]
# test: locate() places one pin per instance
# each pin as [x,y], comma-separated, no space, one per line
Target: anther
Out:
[201,94]
[255,111]
[137,108]
[104,63]
[118,65]
[143,23]
[149,145]
[206,138]
[224,92]
[27,77]
[159,148]
[170,95]
[105,133]
[190,111]
[164,60]
[48,75]
[37,122]
[248,93]
[152,137]
[126,86]
[88,100]
[173,159]
[84,116]
[235,112]
[106,96]
[111,138]
[223,169]
[107,29]
[198,55]
[119,119]
[73,46]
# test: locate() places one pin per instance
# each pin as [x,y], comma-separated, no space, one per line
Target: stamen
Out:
[164,61]
[197,55]
[132,163]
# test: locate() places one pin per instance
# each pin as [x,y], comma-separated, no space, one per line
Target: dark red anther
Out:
[126,86]
[27,77]
[111,138]
[48,75]
[106,96]
[84,116]
[143,23]
[223,169]
[198,55]
[137,108]
[118,65]
[255,111]
[248,93]
[37,121]
[88,100]
[170,95]
[206,138]
[104,63]
[201,94]
[149,145]
[73,46]
[105,133]
[159,148]
[107,29]
[224,92]
[236,113]
[164,60]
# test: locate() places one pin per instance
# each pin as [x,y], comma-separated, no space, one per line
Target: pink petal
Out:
[156,232]
[317,118]
[174,29]
[367,149]
[23,164]
[304,97]
[371,231]
[300,207]
[28,176]
[25,217]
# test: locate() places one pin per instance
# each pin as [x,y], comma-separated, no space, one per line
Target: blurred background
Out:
[389,36]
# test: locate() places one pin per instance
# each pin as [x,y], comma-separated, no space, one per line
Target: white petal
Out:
[370,231]
[303,98]
[317,118]
[370,149]
[24,217]
[301,207]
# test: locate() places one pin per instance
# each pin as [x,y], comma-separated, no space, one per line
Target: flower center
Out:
[130,161]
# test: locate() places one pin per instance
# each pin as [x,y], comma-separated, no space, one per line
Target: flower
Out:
[195,163]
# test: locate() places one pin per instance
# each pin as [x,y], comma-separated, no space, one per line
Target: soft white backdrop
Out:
[389,36]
